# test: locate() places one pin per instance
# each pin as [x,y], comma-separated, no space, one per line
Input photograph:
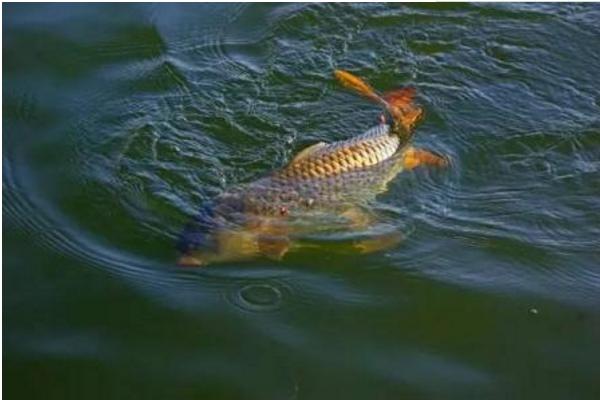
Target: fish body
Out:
[269,216]
[338,180]
[372,147]
[323,181]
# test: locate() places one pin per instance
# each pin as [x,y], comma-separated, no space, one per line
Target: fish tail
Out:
[399,103]
[400,98]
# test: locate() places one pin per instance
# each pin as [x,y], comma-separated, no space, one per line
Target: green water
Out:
[119,121]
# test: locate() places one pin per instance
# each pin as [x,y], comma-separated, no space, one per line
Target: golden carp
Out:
[370,148]
[265,217]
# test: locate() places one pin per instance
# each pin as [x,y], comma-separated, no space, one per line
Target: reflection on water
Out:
[120,121]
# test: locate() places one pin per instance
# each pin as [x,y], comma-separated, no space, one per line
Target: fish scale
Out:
[376,145]
[329,179]
[273,195]
[337,180]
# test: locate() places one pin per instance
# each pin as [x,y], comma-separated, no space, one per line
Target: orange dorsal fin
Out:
[357,84]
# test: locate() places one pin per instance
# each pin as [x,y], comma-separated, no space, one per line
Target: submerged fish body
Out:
[337,179]
[323,182]
[328,189]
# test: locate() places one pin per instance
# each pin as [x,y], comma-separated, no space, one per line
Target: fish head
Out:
[196,243]
[218,233]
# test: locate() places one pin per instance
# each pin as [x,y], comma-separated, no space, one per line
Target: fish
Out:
[370,148]
[399,103]
[326,186]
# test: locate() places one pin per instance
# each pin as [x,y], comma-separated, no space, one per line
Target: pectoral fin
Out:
[272,238]
[273,247]
[236,244]
[357,217]
[414,157]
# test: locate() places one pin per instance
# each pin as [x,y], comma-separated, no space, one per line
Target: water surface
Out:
[120,120]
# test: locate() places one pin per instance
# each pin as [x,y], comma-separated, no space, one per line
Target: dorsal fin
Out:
[308,151]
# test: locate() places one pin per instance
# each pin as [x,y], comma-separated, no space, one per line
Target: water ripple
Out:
[180,111]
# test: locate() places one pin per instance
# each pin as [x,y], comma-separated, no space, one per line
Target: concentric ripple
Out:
[259,297]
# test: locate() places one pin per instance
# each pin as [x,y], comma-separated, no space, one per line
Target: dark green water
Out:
[120,120]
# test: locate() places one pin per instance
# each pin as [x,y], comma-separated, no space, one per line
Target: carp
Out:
[326,186]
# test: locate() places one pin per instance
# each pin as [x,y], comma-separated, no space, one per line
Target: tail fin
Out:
[399,103]
[400,98]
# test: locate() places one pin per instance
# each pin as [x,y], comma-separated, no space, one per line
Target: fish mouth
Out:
[187,260]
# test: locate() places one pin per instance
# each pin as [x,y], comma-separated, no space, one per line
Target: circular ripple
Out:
[259,297]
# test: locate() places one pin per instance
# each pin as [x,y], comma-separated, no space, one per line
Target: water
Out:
[120,120]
